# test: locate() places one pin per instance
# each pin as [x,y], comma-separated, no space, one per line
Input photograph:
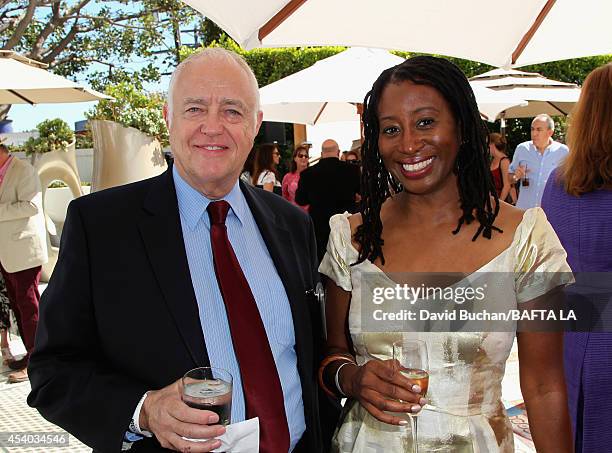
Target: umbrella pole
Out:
[502,125]
[299,134]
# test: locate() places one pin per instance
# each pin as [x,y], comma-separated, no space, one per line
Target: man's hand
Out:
[165,415]
[520,172]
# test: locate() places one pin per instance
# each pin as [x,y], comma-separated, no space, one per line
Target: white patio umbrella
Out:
[543,95]
[329,90]
[500,33]
[24,81]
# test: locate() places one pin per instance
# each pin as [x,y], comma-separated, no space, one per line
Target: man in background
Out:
[329,187]
[23,248]
[534,161]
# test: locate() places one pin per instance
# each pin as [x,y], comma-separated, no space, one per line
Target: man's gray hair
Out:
[218,53]
[544,117]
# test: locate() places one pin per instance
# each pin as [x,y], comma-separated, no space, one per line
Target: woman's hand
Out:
[377,385]
[381,388]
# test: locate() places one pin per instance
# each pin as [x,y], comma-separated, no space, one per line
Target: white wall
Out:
[18,138]
[84,160]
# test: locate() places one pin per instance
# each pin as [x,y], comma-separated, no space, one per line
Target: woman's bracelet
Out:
[337,379]
[347,358]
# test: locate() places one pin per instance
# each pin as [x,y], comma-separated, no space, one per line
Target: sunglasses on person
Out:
[303,156]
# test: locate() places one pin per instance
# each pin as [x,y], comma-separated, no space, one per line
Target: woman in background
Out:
[299,163]
[499,167]
[264,172]
[578,202]
[351,157]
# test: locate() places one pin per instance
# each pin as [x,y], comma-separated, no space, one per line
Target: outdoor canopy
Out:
[330,89]
[543,95]
[500,33]
[24,81]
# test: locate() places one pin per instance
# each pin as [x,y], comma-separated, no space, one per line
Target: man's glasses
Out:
[303,156]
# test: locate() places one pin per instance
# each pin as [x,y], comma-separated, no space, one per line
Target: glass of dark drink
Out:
[413,361]
[524,179]
[210,389]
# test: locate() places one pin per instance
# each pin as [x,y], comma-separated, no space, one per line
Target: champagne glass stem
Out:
[415,442]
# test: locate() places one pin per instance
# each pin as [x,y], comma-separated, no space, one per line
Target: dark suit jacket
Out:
[329,187]
[120,317]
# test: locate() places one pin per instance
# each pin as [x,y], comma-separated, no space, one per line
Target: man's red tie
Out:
[263,393]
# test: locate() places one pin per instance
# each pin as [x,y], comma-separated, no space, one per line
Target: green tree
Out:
[131,107]
[53,135]
[210,33]
[71,36]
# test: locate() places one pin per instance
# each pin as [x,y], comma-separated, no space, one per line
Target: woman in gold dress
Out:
[429,205]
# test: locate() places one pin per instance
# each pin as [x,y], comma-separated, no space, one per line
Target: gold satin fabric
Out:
[465,413]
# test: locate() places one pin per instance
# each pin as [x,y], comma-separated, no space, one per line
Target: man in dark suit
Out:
[140,294]
[329,187]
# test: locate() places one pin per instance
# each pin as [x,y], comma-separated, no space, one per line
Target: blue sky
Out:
[25,117]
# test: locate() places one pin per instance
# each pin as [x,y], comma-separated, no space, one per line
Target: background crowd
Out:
[527,172]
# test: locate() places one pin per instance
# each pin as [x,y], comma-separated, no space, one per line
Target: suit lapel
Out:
[278,240]
[163,238]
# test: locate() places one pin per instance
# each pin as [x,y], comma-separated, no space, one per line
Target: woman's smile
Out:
[419,168]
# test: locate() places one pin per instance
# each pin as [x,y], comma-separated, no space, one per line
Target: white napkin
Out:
[240,437]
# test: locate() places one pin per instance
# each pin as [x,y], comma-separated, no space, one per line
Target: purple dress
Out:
[584,226]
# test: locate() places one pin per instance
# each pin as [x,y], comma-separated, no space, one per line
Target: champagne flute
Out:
[413,361]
